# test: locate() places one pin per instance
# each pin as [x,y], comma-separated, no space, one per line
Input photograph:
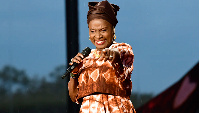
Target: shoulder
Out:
[121,46]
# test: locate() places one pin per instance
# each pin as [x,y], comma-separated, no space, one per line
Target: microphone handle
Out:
[85,53]
[68,71]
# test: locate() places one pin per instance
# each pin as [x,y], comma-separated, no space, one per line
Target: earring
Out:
[89,37]
[114,36]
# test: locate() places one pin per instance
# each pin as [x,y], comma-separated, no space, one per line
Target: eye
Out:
[103,30]
[92,31]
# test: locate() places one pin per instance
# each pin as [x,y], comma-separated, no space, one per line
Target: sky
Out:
[164,36]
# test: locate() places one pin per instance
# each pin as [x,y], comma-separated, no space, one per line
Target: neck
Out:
[99,49]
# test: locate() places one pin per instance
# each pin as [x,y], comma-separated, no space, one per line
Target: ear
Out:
[113,30]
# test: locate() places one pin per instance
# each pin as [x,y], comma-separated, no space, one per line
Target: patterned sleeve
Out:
[127,58]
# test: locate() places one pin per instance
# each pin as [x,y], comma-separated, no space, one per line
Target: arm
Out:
[73,83]
[126,58]
[72,87]
[121,56]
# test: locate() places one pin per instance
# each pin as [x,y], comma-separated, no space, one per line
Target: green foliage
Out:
[11,79]
[21,94]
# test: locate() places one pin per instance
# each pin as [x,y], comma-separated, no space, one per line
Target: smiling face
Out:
[101,33]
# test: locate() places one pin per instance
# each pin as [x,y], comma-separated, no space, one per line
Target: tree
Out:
[12,79]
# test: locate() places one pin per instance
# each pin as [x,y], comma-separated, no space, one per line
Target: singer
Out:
[102,80]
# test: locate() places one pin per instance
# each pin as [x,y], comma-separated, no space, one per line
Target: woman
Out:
[102,81]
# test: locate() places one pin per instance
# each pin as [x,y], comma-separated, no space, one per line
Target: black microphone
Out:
[85,53]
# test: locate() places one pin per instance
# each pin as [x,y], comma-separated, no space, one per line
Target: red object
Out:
[182,97]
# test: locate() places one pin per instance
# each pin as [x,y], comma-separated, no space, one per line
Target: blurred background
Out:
[164,36]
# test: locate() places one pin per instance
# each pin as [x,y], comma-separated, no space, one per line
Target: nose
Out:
[98,35]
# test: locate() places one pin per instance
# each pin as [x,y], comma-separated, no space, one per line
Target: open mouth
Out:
[100,42]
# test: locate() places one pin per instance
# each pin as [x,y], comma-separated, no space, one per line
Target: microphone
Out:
[85,53]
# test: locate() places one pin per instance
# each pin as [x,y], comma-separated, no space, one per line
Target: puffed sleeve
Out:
[127,58]
[125,69]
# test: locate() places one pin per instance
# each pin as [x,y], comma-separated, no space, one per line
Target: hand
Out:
[77,59]
[109,54]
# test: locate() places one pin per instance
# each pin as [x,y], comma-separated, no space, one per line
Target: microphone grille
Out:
[86,51]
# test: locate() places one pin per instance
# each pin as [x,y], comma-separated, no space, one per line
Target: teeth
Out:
[99,42]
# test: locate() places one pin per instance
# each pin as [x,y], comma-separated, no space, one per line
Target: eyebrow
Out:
[100,28]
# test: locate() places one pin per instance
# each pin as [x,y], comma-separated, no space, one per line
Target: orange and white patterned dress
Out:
[105,86]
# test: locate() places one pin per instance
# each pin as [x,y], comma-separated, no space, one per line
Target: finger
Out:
[79,58]
[115,55]
[107,50]
[106,54]
[111,56]
[71,63]
[76,61]
[104,51]
[80,55]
